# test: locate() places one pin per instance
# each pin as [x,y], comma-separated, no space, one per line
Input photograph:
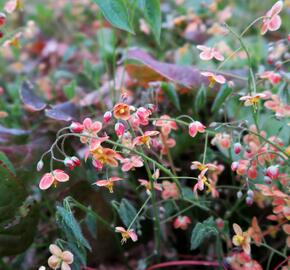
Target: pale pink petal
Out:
[133,235]
[67,257]
[276,8]
[115,178]
[96,126]
[127,167]
[220,79]
[202,47]
[206,74]
[206,55]
[264,28]
[237,229]
[53,262]
[102,183]
[65,266]
[218,56]
[55,250]
[120,229]
[46,181]
[10,6]
[87,123]
[274,23]
[60,176]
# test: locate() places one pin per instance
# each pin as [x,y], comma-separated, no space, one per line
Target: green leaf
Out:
[70,89]
[16,238]
[200,98]
[71,227]
[115,11]
[127,212]
[222,95]
[152,13]
[202,230]
[91,223]
[171,93]
[12,191]
[107,42]
[6,162]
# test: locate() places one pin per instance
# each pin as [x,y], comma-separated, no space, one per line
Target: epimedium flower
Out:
[127,234]
[166,124]
[90,129]
[252,100]
[272,172]
[213,78]
[104,156]
[143,116]
[52,178]
[13,5]
[14,41]
[272,21]
[170,190]
[208,53]
[222,140]
[195,127]
[119,129]
[147,185]
[145,138]
[255,232]
[59,259]
[241,239]
[109,183]
[131,163]
[181,222]
[273,77]
[121,111]
[196,165]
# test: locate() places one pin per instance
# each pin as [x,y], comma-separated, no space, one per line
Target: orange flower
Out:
[121,111]
[103,156]
[145,139]
[255,232]
[127,234]
[60,259]
[241,239]
[108,183]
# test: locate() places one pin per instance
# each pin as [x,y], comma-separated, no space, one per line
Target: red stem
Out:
[280,264]
[182,263]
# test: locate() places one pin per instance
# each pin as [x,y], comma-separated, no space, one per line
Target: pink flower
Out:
[170,190]
[196,165]
[272,20]
[90,129]
[195,127]
[12,5]
[273,77]
[147,185]
[209,53]
[127,234]
[60,259]
[213,78]
[237,148]
[252,100]
[109,184]
[143,115]
[166,124]
[52,178]
[181,222]
[223,140]
[145,139]
[119,129]
[131,163]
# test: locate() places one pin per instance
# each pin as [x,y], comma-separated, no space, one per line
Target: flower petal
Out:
[46,181]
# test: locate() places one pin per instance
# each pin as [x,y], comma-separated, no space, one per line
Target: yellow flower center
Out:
[125,237]
[109,186]
[239,239]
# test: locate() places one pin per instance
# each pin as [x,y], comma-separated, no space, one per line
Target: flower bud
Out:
[267,180]
[237,148]
[2,18]
[249,201]
[76,127]
[69,163]
[239,194]
[272,172]
[76,161]
[107,117]
[119,129]
[250,193]
[234,166]
[39,165]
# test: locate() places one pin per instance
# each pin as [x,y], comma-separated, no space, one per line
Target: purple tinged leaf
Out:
[62,112]
[29,98]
